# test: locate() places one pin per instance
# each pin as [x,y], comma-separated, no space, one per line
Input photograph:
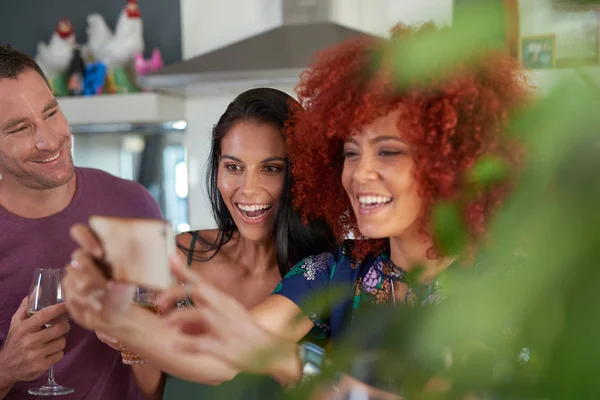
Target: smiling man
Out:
[35,147]
[42,194]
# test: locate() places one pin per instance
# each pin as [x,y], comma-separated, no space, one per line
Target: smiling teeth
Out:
[51,158]
[254,207]
[374,200]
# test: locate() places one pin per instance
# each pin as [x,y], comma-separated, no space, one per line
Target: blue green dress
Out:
[243,386]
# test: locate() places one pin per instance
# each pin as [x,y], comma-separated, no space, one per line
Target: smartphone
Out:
[136,250]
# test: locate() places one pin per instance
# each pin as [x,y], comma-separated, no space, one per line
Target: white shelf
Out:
[146,107]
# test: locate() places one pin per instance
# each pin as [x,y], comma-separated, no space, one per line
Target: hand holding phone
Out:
[136,250]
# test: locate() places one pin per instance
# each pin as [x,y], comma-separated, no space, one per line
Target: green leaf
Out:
[448,227]
[489,170]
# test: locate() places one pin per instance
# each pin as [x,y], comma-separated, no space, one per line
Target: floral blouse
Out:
[359,284]
[355,284]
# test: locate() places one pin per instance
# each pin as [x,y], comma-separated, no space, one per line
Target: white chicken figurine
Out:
[117,50]
[54,57]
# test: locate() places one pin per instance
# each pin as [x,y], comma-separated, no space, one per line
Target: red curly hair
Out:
[451,123]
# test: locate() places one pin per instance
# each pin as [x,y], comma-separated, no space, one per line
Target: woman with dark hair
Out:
[258,236]
[254,115]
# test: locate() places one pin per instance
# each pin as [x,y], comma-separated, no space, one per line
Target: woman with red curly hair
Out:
[372,160]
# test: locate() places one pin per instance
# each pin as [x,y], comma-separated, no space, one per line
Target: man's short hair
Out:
[14,62]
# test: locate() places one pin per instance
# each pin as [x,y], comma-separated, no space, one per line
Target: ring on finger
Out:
[75,263]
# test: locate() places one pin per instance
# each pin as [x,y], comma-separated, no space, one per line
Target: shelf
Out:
[142,108]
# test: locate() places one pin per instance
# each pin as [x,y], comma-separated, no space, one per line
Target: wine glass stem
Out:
[51,381]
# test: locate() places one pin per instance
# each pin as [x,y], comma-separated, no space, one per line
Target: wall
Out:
[378,16]
[98,151]
[208,24]
[537,17]
[420,11]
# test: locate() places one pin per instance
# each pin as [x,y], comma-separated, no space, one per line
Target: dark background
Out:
[24,23]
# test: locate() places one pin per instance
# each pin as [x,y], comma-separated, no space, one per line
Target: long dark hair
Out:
[294,240]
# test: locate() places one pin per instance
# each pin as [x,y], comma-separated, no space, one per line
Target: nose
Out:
[251,183]
[47,139]
[365,170]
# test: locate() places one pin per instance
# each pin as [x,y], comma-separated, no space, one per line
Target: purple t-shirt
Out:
[91,367]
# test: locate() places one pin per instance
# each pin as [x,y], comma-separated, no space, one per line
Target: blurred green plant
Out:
[448,227]
[578,2]
[522,323]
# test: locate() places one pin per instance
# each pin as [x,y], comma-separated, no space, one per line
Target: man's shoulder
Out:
[98,179]
[118,194]
[99,176]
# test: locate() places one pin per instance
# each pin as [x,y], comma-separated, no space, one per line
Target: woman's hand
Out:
[220,326]
[109,340]
[87,240]
[92,300]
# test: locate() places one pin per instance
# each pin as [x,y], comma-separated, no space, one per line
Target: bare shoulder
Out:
[204,252]
[207,236]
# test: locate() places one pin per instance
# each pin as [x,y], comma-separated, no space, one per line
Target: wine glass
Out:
[146,298]
[46,290]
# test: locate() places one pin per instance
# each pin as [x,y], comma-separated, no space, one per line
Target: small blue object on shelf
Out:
[95,76]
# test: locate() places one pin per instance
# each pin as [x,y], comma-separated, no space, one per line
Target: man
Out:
[41,195]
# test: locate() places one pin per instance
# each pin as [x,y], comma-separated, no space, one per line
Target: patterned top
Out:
[362,283]
[345,285]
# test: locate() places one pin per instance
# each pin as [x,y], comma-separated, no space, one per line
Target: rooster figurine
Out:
[117,50]
[54,58]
